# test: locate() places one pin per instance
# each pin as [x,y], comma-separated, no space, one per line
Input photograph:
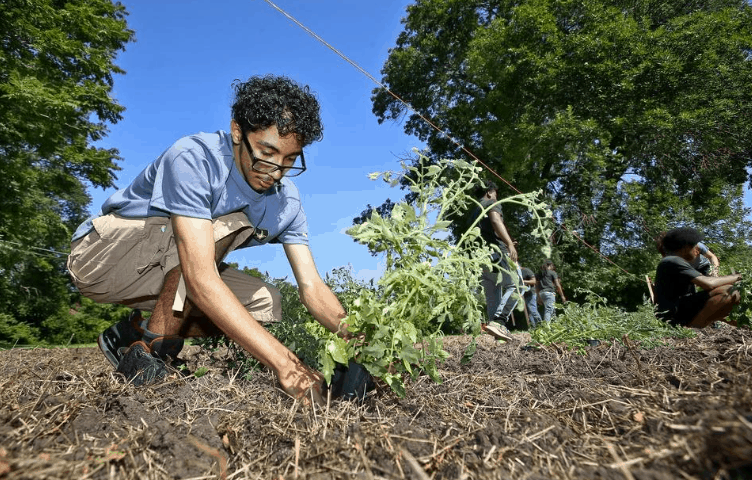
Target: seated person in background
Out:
[706,262]
[675,280]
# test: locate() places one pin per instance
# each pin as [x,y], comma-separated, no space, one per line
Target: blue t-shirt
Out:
[701,263]
[197,177]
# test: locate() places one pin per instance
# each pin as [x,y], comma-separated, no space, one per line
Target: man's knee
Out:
[736,296]
[265,304]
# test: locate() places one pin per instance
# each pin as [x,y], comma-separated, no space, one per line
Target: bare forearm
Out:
[561,291]
[222,307]
[324,306]
[711,283]
[504,236]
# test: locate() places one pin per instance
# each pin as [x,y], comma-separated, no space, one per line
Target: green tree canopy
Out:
[56,78]
[631,116]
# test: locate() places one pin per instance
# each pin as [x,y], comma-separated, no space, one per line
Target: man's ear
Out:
[236,133]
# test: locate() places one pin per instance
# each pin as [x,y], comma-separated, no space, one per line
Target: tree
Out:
[56,79]
[629,115]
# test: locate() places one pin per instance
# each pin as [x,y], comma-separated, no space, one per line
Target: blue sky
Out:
[179,71]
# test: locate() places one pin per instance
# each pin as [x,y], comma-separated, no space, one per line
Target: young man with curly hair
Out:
[158,244]
[675,279]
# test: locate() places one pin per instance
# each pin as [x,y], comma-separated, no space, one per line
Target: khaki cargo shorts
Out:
[125,260]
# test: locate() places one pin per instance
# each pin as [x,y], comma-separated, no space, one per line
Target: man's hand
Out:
[303,383]
[512,252]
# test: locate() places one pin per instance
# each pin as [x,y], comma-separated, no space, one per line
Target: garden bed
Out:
[683,410]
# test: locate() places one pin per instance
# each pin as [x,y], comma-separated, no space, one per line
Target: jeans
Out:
[531,300]
[498,287]
[549,299]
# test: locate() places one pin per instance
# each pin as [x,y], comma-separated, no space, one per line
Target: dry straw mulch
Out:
[679,411]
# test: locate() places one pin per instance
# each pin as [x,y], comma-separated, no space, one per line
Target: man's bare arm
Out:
[560,290]
[714,262]
[195,244]
[501,231]
[713,258]
[314,293]
[711,283]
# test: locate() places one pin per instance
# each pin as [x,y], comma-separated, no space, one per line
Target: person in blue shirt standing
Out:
[158,244]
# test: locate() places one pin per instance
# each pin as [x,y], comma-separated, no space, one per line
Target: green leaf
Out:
[337,350]
[327,366]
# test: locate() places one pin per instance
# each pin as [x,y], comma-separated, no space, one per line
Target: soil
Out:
[683,410]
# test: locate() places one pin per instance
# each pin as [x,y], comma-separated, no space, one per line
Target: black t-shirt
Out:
[527,274]
[547,280]
[673,280]
[486,228]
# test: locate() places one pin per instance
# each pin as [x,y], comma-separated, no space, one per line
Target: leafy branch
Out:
[430,285]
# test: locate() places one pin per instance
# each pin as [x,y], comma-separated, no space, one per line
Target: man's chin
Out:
[262,187]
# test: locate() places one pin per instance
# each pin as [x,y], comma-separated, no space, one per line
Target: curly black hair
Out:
[659,243]
[681,237]
[268,100]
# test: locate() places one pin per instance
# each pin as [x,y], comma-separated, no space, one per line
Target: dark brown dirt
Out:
[679,411]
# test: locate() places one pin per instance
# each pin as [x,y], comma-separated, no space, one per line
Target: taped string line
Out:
[28,249]
[428,121]
[396,97]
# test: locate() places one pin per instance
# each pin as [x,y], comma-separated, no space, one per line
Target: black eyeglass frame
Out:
[274,167]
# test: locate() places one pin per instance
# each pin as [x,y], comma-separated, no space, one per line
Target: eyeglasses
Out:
[263,166]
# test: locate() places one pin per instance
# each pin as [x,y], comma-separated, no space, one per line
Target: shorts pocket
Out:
[155,243]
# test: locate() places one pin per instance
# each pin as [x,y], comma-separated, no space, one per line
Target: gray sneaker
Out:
[117,338]
[139,366]
[499,331]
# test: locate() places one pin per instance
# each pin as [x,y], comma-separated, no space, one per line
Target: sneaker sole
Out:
[107,354]
[495,332]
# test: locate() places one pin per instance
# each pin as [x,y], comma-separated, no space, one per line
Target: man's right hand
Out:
[512,252]
[303,383]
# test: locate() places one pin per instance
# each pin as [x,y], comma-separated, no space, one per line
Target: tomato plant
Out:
[430,283]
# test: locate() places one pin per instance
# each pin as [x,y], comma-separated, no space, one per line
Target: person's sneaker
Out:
[166,347]
[139,366]
[498,330]
[113,341]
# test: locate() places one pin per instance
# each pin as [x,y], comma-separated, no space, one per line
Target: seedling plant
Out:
[430,284]
[594,319]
